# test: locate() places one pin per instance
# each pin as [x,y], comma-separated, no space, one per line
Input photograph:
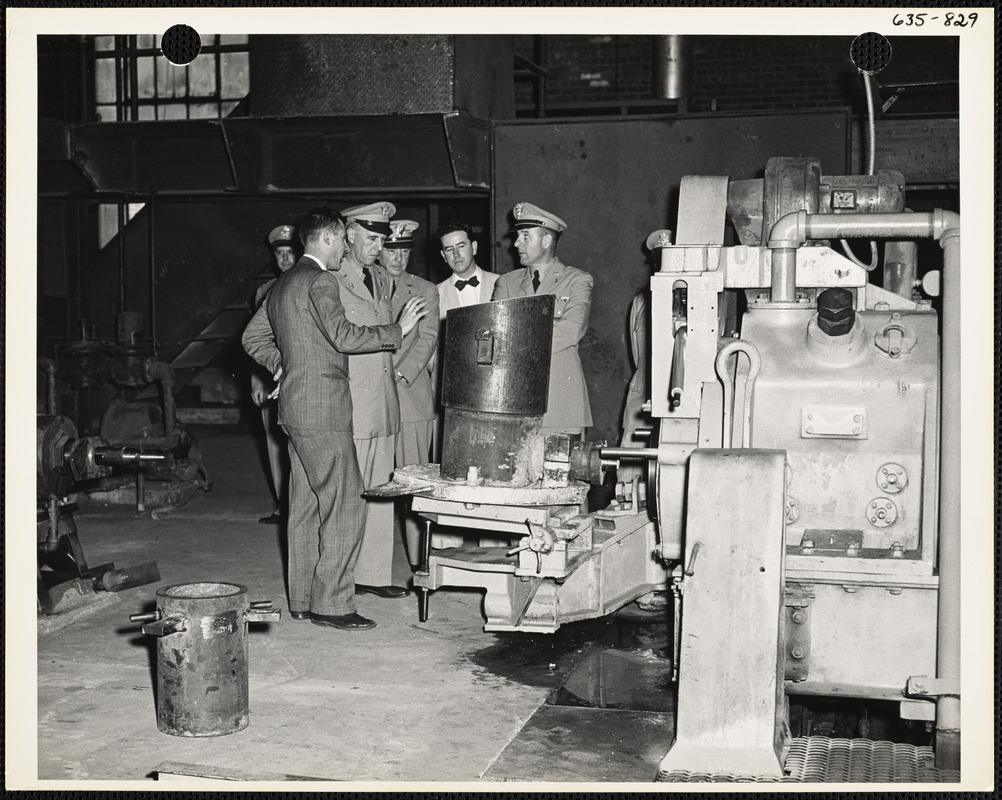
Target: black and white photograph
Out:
[481,399]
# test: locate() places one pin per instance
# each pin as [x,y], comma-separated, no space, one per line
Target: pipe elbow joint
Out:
[789,231]
[159,371]
[945,223]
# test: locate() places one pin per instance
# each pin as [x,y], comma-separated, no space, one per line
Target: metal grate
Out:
[316,75]
[818,759]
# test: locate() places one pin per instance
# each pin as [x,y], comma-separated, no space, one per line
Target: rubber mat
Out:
[818,759]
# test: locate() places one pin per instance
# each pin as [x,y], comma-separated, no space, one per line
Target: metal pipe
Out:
[671,67]
[629,452]
[160,371]
[50,385]
[949,611]
[784,275]
[153,278]
[425,568]
[121,255]
[899,267]
[795,228]
[133,79]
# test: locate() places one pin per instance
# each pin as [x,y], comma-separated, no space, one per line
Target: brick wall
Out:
[743,73]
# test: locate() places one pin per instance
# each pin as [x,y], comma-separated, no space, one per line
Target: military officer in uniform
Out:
[365,292]
[282,247]
[537,232]
[412,364]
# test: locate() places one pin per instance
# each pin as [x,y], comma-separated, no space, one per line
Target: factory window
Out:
[133,81]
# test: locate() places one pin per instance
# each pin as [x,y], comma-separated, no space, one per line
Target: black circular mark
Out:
[870,52]
[181,44]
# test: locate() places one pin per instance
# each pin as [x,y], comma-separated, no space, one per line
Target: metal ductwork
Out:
[671,67]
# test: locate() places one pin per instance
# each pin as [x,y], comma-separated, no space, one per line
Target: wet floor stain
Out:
[629,668]
[619,661]
[540,659]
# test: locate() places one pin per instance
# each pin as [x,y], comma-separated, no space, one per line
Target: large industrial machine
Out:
[801,501]
[120,392]
[804,459]
[64,461]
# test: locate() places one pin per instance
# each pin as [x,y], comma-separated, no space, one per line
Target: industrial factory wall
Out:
[321,75]
[615,181]
[743,73]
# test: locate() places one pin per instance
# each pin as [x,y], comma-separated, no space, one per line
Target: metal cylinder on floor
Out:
[202,675]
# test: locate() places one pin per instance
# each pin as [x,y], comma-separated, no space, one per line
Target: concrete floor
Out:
[403,702]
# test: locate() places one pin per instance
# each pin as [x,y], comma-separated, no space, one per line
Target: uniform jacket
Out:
[413,362]
[448,295]
[376,409]
[567,402]
[302,328]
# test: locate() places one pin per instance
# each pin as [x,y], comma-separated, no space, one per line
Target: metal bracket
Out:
[797,635]
[923,686]
[261,611]
[166,626]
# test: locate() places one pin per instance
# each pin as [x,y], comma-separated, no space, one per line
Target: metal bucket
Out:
[496,374]
[202,656]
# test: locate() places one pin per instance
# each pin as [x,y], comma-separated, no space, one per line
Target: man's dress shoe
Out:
[381,591]
[345,622]
[300,615]
[272,519]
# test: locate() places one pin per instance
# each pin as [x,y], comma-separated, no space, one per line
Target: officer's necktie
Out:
[367,280]
[393,288]
[535,281]
[460,285]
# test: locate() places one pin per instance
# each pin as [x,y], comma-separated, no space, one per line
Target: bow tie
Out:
[460,285]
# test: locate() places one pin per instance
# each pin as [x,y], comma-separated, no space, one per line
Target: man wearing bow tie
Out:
[468,284]
[365,292]
[537,231]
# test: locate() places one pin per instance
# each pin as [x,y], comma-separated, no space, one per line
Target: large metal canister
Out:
[202,657]
[496,375]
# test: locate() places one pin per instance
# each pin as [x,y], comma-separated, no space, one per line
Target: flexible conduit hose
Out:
[871,158]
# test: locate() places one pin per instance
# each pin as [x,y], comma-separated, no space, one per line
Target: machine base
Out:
[617,570]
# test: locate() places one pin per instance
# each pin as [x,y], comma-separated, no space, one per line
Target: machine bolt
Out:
[857,418]
[897,550]
[799,616]
[835,312]
[852,549]
[882,305]
[856,430]
[810,429]
[798,652]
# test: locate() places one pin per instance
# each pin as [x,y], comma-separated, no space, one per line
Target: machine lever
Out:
[676,378]
[690,570]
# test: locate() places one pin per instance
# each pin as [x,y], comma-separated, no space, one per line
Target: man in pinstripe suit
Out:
[301,334]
